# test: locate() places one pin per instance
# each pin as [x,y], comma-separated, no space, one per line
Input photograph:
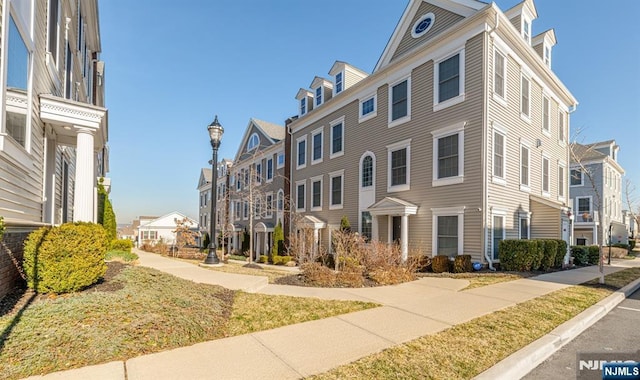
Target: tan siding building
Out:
[444,148]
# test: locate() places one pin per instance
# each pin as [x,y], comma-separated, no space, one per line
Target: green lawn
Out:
[145,311]
[468,349]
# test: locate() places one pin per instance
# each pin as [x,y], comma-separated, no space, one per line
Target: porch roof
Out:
[393,206]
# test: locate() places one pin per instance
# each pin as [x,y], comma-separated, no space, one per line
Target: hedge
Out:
[66,258]
[121,245]
[520,255]
[549,252]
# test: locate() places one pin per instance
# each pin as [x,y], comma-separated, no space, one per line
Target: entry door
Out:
[396,229]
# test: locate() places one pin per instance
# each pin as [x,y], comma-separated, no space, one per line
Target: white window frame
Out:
[562,180]
[316,132]
[306,151]
[525,187]
[445,132]
[546,119]
[525,20]
[562,128]
[320,179]
[392,123]
[500,179]
[332,124]
[341,82]
[390,149]
[372,114]
[304,195]
[268,213]
[524,216]
[447,211]
[497,97]
[373,168]
[332,175]
[525,116]
[303,103]
[254,136]
[546,54]
[269,165]
[315,96]
[258,172]
[502,215]
[278,164]
[437,104]
[245,210]
[278,197]
[577,207]
[581,177]
[545,158]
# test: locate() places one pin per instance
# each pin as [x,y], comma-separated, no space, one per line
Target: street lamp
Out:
[215,134]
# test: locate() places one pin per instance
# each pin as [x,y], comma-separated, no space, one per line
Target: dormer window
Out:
[526,30]
[318,96]
[303,106]
[253,142]
[547,55]
[339,82]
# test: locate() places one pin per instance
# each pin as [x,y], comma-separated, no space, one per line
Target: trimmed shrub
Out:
[278,240]
[66,258]
[281,260]
[593,254]
[121,245]
[580,254]
[520,255]
[462,264]
[423,263]
[549,252]
[440,264]
[560,253]
[264,259]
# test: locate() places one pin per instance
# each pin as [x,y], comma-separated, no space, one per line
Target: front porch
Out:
[397,212]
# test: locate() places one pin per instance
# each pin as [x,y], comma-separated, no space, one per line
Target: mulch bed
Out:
[298,280]
[21,296]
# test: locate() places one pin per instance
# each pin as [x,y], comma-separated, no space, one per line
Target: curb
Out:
[523,361]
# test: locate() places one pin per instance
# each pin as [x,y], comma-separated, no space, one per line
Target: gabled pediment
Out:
[205,177]
[421,21]
[393,206]
[267,133]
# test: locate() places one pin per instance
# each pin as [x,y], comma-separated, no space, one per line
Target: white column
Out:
[316,236]
[49,207]
[266,243]
[85,180]
[404,239]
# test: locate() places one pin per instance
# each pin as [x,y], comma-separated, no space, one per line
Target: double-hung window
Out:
[545,176]
[300,195]
[399,166]
[525,158]
[280,159]
[366,225]
[303,106]
[546,122]
[399,102]
[258,172]
[339,83]
[368,108]
[561,128]
[302,152]
[561,180]
[448,155]
[337,188]
[576,177]
[316,146]
[337,138]
[269,169]
[448,80]
[499,75]
[499,155]
[316,193]
[318,96]
[448,231]
[525,98]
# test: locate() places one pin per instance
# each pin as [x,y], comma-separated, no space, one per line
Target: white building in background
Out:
[162,229]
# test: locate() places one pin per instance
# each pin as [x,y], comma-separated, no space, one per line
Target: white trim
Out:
[335,86]
[332,124]
[415,34]
[562,179]
[562,128]
[502,215]
[447,211]
[546,132]
[525,116]
[500,99]
[577,207]
[499,179]
[314,133]
[266,174]
[249,149]
[315,99]
[304,198]
[545,157]
[373,174]
[332,175]
[457,128]
[306,151]
[524,216]
[319,178]
[437,104]
[526,187]
[390,149]
[407,117]
[306,106]
[372,114]
[280,152]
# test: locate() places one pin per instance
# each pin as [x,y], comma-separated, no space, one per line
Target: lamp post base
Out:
[212,257]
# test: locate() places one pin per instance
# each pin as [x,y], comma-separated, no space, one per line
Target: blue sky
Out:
[171,66]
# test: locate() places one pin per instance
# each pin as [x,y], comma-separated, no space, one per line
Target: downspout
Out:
[485,183]
[567,255]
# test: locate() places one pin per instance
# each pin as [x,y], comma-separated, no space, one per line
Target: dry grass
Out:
[468,349]
[149,312]
[238,268]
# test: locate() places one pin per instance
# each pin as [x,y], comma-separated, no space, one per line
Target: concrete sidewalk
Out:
[409,311]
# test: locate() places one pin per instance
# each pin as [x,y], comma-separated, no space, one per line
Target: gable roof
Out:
[464,8]
[273,132]
[205,177]
[159,222]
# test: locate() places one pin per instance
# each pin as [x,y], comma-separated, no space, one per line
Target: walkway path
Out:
[408,311]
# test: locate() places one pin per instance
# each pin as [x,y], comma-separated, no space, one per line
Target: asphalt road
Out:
[617,332]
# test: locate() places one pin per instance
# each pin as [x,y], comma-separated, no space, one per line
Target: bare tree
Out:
[579,154]
[633,204]
[185,234]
